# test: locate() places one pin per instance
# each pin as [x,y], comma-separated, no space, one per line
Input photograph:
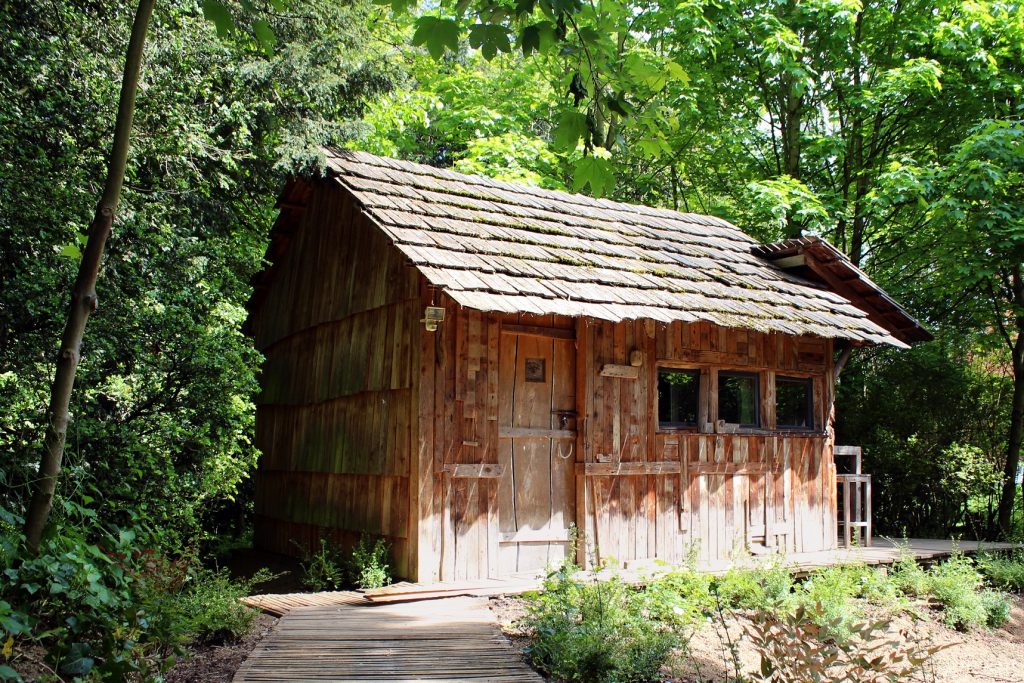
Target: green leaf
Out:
[215,11]
[539,37]
[572,125]
[596,172]
[78,661]
[265,36]
[677,73]
[279,5]
[436,34]
[70,251]
[9,674]
[490,39]
[646,73]
[618,104]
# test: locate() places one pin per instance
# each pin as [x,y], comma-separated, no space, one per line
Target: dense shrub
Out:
[762,587]
[1003,571]
[104,605]
[681,596]
[368,566]
[210,604]
[597,631]
[99,602]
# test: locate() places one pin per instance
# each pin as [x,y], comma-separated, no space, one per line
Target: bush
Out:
[95,598]
[956,584]
[596,632]
[792,650]
[682,596]
[368,566]
[324,569]
[212,609]
[828,596]
[909,577]
[997,608]
[762,587]
[1006,572]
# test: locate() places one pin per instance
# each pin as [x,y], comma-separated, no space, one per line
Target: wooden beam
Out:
[533,433]
[473,471]
[626,469]
[539,331]
[535,536]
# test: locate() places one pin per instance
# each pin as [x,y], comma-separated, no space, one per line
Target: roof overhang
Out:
[815,259]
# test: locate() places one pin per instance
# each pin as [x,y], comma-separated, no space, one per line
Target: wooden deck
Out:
[883,551]
[454,639]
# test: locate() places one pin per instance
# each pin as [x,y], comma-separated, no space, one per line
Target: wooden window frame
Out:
[811,409]
[758,383]
[666,427]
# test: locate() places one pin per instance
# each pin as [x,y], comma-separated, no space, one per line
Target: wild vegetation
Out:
[832,625]
[893,130]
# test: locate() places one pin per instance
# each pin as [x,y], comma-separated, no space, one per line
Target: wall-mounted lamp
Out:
[432,316]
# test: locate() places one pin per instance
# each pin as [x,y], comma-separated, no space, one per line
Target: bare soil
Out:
[218,663]
[981,655]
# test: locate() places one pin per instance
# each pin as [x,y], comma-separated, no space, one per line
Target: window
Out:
[794,403]
[678,397]
[738,398]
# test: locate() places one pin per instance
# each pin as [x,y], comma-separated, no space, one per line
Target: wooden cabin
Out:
[473,369]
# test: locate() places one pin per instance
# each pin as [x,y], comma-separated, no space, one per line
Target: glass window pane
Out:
[738,398]
[678,396]
[793,402]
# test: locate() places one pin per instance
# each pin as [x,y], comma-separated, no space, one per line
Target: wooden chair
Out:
[854,497]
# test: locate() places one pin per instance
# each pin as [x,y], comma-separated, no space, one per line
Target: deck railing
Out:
[854,497]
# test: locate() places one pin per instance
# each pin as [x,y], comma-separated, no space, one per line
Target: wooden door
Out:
[537,440]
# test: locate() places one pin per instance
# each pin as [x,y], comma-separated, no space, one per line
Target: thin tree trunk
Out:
[1016,436]
[83,294]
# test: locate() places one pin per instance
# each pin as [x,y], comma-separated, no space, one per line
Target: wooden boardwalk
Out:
[454,639]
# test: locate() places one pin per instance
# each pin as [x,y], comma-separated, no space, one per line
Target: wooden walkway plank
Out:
[454,639]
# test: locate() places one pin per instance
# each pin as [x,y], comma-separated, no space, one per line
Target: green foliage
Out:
[164,402]
[596,631]
[324,569]
[211,607]
[764,587]
[933,476]
[368,566]
[956,584]
[997,608]
[796,647]
[100,601]
[682,596]
[1003,571]
[830,595]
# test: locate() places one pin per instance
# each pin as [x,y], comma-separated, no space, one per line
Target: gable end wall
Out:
[336,415]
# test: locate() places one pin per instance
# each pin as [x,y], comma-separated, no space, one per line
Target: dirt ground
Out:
[982,655]
[218,663]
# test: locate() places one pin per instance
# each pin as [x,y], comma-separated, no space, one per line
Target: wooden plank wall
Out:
[711,485]
[459,426]
[336,417]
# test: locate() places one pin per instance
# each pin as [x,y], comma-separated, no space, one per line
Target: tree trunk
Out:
[1016,436]
[83,293]
[792,106]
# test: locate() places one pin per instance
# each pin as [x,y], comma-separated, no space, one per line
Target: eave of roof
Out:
[498,246]
[823,261]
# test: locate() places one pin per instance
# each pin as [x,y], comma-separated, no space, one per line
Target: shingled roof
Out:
[498,246]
